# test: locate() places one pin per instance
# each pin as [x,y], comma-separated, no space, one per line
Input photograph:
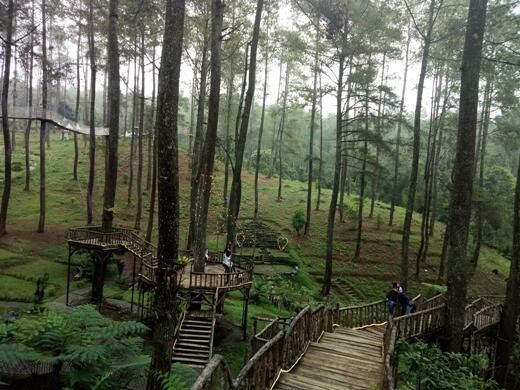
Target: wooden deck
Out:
[214,276]
[345,359]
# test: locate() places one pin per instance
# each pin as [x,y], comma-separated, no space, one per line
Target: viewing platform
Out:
[121,239]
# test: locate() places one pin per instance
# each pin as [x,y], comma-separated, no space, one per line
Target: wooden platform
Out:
[345,359]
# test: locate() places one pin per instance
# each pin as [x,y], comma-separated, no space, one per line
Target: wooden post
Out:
[244,313]
[133,284]
[68,279]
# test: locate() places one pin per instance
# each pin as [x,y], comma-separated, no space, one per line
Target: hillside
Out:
[25,255]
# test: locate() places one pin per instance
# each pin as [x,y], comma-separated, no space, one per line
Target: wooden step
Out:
[195,331]
[191,345]
[197,324]
[190,354]
[190,360]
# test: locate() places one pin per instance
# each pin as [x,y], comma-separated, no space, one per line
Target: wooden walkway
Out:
[345,359]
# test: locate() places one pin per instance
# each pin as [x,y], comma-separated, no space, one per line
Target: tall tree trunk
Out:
[104,99]
[236,185]
[126,100]
[395,188]
[274,148]
[76,110]
[344,154]
[113,96]
[509,326]
[140,135]
[150,133]
[166,306]
[327,279]
[444,255]
[428,170]
[407,226]
[480,206]
[363,179]
[6,194]
[92,136]
[377,173]
[45,78]
[434,167]
[85,97]
[14,95]
[311,135]
[320,167]
[281,131]
[27,135]
[461,196]
[192,110]
[447,89]
[227,140]
[262,117]
[153,193]
[199,135]
[208,150]
[134,120]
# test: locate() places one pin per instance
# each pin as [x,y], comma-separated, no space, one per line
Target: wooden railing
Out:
[361,315]
[202,280]
[261,370]
[279,352]
[434,301]
[421,323]
[471,309]
[389,356]
[215,376]
[487,317]
[266,334]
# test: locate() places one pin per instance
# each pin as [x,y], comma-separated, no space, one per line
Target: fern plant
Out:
[96,351]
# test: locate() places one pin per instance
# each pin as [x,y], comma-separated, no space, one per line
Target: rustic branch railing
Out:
[487,316]
[202,280]
[361,315]
[389,356]
[215,376]
[266,334]
[421,322]
[434,301]
[262,369]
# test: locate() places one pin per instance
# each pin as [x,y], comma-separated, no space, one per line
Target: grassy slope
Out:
[26,255]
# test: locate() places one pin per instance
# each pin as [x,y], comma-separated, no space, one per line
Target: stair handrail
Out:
[178,328]
[364,314]
[389,356]
[487,316]
[421,322]
[269,358]
[213,321]
[206,378]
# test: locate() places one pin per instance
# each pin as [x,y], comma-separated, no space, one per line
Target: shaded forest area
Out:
[398,116]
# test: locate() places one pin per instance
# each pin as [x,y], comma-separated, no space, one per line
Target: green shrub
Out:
[298,220]
[426,367]
[98,352]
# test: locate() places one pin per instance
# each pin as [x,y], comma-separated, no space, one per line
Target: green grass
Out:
[235,355]
[28,254]
[14,289]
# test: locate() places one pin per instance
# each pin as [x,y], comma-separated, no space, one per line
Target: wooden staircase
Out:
[194,343]
[343,360]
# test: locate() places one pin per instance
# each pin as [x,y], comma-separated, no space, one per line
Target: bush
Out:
[97,352]
[426,367]
[298,220]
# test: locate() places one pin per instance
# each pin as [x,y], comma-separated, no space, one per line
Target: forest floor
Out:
[25,255]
